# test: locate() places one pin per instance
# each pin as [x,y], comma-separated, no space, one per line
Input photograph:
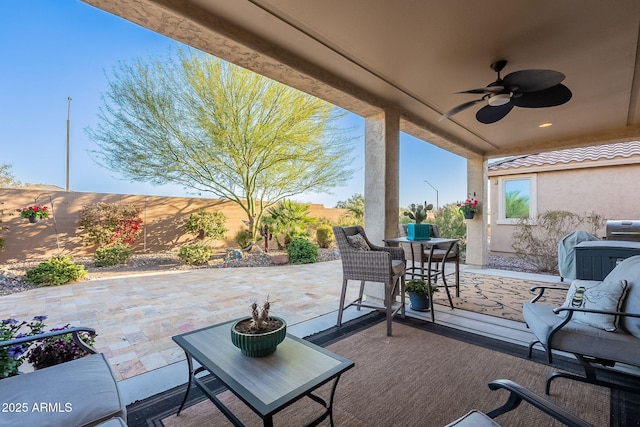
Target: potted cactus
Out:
[417,230]
[258,335]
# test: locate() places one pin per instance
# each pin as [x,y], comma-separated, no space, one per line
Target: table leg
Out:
[191,374]
[433,316]
[444,280]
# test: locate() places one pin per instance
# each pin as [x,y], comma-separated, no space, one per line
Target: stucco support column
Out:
[381,184]
[477,187]
[381,175]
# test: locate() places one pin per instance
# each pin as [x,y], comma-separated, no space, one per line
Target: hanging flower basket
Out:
[35,213]
[468,208]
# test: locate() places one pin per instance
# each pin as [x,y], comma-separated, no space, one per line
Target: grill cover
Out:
[625,229]
[567,252]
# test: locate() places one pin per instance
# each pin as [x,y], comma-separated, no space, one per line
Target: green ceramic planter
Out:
[258,345]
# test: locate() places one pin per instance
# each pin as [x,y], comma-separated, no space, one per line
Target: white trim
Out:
[533,200]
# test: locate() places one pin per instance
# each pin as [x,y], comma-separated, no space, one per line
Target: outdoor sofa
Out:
[82,392]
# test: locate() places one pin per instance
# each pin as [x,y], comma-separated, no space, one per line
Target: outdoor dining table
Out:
[427,273]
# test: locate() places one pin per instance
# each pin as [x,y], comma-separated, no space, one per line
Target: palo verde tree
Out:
[213,127]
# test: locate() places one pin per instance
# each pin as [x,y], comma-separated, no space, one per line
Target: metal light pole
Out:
[68,121]
[437,200]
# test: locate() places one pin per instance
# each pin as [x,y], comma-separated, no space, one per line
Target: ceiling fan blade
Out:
[459,108]
[532,80]
[488,89]
[556,95]
[489,114]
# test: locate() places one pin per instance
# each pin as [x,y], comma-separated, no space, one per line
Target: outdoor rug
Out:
[421,376]
[494,295]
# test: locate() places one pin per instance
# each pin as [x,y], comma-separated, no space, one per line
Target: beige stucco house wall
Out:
[604,180]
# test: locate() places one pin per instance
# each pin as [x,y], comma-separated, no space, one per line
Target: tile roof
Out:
[571,155]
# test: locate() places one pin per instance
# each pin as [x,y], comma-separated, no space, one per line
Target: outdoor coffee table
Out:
[265,384]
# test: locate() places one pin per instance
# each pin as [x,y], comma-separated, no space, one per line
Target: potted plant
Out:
[418,213]
[258,335]
[35,213]
[468,208]
[419,294]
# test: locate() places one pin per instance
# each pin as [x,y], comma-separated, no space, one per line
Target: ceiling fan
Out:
[526,88]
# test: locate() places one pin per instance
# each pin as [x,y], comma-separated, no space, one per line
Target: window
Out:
[516,199]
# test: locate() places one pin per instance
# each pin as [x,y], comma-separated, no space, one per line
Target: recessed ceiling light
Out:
[545,125]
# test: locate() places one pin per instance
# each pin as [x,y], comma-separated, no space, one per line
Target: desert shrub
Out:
[114,255]
[57,270]
[110,224]
[302,251]
[195,254]
[451,224]
[207,224]
[243,238]
[324,236]
[537,243]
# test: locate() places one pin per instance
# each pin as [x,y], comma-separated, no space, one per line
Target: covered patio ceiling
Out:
[412,56]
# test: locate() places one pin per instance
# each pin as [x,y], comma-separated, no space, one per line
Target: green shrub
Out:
[302,251]
[324,236]
[207,224]
[243,238]
[195,254]
[105,257]
[57,270]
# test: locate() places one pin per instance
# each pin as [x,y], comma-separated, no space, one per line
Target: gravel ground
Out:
[12,274]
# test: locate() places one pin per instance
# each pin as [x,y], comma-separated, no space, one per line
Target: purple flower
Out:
[10,321]
[40,318]
[21,335]
[15,351]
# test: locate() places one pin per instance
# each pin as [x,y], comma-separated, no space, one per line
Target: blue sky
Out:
[55,49]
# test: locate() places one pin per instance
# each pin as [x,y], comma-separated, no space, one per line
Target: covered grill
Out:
[628,230]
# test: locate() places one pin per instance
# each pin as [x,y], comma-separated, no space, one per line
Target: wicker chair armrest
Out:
[397,253]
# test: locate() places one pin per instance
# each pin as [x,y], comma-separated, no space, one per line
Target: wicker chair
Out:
[371,263]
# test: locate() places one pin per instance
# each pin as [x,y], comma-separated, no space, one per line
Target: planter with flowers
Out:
[468,208]
[54,347]
[35,213]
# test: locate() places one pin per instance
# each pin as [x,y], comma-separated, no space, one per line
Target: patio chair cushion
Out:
[397,266]
[474,419]
[576,337]
[607,295]
[82,392]
[629,270]
[358,242]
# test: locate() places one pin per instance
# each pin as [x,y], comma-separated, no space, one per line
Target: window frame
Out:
[533,199]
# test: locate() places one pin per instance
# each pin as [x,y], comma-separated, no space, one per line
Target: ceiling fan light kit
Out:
[525,88]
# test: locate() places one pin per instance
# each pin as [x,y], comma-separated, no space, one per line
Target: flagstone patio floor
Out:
[135,316]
